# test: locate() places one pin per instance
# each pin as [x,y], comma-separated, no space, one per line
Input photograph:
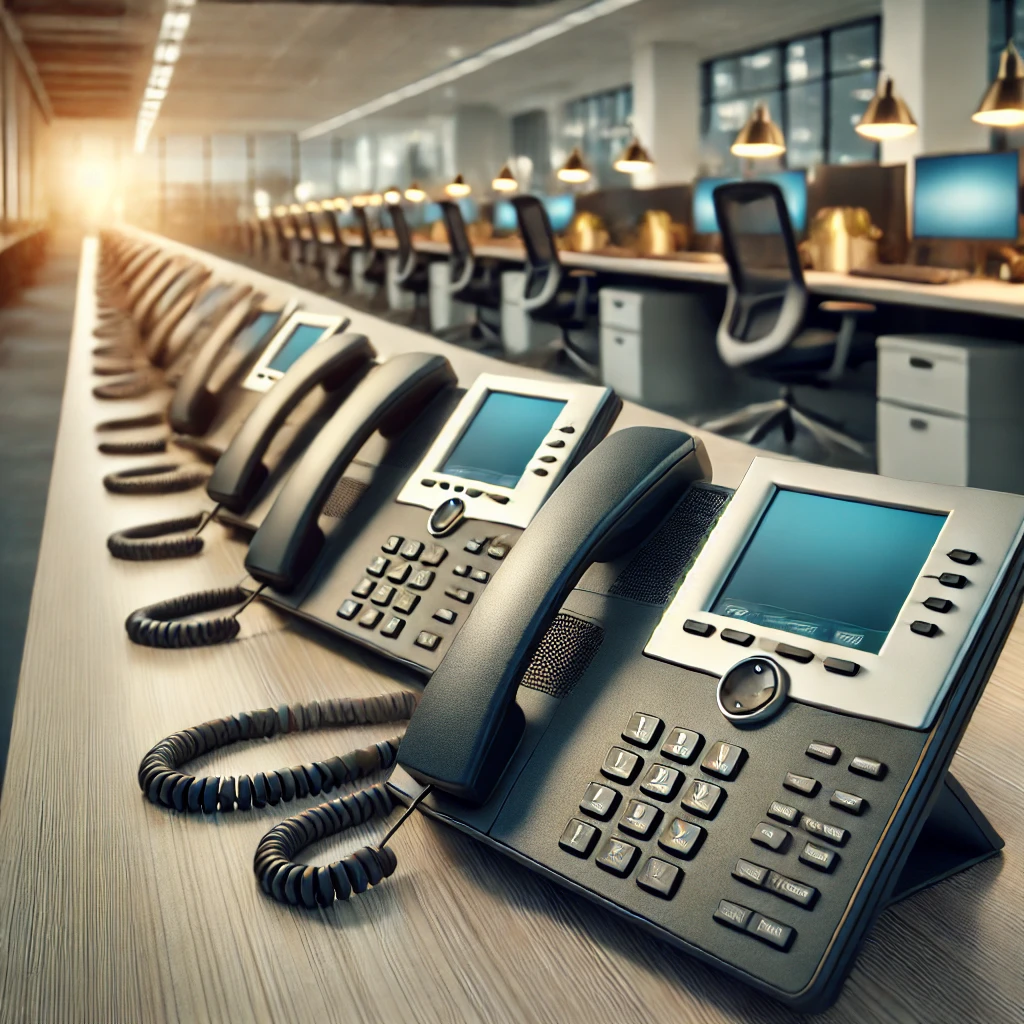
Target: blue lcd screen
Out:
[829,569]
[502,438]
[794,191]
[975,196]
[504,216]
[561,210]
[251,336]
[300,341]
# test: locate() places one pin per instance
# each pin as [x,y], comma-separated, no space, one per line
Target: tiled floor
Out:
[35,329]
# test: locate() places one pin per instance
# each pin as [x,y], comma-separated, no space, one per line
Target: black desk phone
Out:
[390,539]
[737,733]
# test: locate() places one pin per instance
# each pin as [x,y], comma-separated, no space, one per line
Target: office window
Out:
[816,87]
[599,125]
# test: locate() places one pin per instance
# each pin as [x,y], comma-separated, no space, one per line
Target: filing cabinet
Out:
[658,348]
[949,410]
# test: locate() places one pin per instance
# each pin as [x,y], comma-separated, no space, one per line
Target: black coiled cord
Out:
[149,419]
[153,542]
[135,386]
[278,874]
[114,369]
[154,446]
[157,625]
[165,478]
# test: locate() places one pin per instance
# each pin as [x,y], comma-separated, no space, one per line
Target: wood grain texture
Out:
[115,911]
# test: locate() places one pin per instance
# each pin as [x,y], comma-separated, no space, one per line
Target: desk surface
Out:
[981,296]
[115,911]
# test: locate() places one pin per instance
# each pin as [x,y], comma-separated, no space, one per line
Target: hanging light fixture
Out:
[505,181]
[574,170]
[634,158]
[1002,106]
[312,206]
[457,187]
[760,138]
[415,194]
[327,204]
[360,200]
[342,205]
[376,199]
[887,116]
[295,208]
[393,195]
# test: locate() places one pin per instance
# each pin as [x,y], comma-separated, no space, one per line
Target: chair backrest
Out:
[306,226]
[767,296]
[461,261]
[406,253]
[363,222]
[543,269]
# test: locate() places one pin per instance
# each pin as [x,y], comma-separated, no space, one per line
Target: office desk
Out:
[115,911]
[981,296]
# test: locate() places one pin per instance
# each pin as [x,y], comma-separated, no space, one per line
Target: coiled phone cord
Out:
[154,446]
[278,874]
[165,478]
[134,386]
[149,419]
[159,625]
[153,542]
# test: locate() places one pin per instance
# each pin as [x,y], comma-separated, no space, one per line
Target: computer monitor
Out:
[794,191]
[561,210]
[503,217]
[971,196]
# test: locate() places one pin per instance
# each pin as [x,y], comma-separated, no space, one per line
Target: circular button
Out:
[446,517]
[752,690]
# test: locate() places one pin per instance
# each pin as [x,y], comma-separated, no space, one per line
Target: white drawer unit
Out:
[658,348]
[952,374]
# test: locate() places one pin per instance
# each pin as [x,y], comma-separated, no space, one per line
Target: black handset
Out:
[395,392]
[195,404]
[468,724]
[210,305]
[240,471]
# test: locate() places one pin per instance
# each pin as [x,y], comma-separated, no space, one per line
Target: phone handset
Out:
[194,404]
[468,724]
[393,394]
[240,471]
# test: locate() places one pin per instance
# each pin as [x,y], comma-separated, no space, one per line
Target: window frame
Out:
[824,80]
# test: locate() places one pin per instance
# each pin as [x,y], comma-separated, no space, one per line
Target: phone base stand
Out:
[955,837]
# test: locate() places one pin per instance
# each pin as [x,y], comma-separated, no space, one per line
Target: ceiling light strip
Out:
[470,65]
[173,29]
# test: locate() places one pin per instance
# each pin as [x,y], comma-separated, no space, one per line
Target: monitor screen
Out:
[431,213]
[301,339]
[973,196]
[502,437]
[253,334]
[829,569]
[561,210]
[794,191]
[504,216]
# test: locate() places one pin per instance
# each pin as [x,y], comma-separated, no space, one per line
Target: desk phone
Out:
[727,719]
[429,519]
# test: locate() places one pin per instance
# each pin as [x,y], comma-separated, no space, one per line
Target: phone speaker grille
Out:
[343,498]
[654,571]
[563,655]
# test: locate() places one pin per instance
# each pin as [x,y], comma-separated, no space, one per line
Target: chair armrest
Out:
[582,272]
[846,308]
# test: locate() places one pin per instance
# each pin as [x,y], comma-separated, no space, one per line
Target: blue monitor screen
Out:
[302,338]
[974,196]
[502,437]
[829,569]
[251,336]
[504,217]
[561,210]
[431,213]
[794,191]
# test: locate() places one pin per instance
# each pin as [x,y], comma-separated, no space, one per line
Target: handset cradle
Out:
[240,471]
[468,724]
[394,393]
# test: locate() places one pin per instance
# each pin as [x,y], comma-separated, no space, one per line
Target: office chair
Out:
[337,256]
[307,263]
[763,329]
[411,272]
[470,282]
[374,265]
[551,295]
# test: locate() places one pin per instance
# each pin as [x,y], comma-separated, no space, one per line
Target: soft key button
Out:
[771,836]
[792,890]
[444,518]
[827,752]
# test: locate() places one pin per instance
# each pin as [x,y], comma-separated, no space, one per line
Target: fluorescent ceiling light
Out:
[161,75]
[152,93]
[174,26]
[462,68]
[167,53]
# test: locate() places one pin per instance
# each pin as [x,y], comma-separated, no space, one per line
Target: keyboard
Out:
[911,273]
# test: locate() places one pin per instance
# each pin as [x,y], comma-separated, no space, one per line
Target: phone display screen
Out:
[829,569]
[502,437]
[251,336]
[302,338]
